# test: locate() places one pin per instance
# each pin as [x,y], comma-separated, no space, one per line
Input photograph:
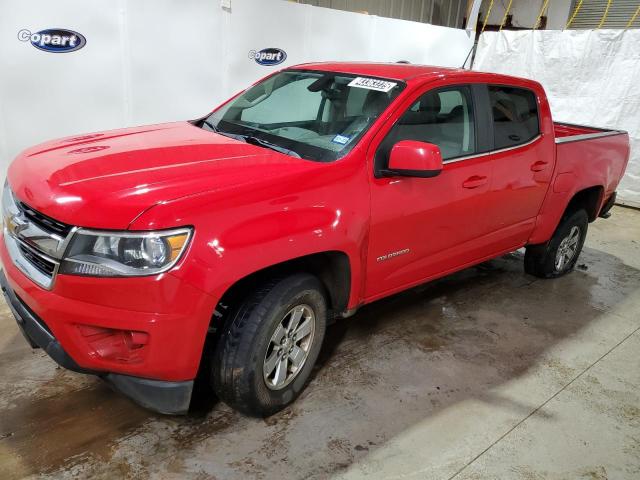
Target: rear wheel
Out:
[560,255]
[267,350]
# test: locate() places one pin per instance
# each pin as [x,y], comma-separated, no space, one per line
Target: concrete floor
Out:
[486,374]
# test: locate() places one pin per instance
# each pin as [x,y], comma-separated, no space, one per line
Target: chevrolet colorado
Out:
[223,246]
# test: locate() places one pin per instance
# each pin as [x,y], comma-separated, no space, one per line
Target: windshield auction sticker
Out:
[372,84]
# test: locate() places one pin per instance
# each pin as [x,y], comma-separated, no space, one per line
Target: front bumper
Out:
[157,395]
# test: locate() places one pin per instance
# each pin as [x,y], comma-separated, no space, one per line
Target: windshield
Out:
[313,115]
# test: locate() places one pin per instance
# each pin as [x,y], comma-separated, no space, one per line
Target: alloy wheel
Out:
[567,249]
[289,347]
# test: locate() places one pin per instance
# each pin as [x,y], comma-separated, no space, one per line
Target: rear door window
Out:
[515,116]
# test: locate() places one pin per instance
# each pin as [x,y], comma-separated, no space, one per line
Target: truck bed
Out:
[587,158]
[568,132]
[590,156]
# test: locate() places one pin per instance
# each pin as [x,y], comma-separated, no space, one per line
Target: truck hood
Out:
[106,179]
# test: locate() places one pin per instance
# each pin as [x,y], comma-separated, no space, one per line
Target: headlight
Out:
[128,254]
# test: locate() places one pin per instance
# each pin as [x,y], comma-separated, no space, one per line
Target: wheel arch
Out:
[333,269]
[558,205]
[589,199]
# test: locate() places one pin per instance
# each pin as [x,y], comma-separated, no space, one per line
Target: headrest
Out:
[374,103]
[430,102]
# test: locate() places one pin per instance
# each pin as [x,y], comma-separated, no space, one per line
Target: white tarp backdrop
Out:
[150,61]
[592,77]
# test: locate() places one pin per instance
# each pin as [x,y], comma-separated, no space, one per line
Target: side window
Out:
[291,102]
[515,116]
[442,117]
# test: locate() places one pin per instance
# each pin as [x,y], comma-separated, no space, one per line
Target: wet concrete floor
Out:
[488,373]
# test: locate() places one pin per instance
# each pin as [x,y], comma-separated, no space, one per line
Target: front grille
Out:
[34,241]
[44,222]
[41,263]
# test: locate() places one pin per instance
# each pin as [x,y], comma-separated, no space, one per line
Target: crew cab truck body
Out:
[222,246]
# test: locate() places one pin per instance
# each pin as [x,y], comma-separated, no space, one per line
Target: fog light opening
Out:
[122,346]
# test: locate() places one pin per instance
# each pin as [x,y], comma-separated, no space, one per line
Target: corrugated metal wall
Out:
[448,13]
[619,15]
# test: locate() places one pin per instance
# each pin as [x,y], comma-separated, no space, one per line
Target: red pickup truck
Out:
[220,248]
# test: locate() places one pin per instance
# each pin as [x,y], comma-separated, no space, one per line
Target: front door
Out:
[426,227]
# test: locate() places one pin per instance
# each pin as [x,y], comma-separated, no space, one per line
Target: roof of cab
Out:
[396,71]
[408,72]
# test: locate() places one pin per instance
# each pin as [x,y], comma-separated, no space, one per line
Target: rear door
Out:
[424,227]
[523,160]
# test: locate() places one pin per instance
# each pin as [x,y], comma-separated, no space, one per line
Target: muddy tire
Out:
[559,256]
[267,349]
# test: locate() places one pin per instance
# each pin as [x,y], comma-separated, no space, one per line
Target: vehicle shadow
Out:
[394,364]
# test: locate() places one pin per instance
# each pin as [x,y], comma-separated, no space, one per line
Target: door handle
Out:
[539,166]
[474,182]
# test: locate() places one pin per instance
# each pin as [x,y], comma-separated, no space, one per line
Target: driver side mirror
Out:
[409,158]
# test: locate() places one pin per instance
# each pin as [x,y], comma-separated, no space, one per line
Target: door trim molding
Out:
[492,152]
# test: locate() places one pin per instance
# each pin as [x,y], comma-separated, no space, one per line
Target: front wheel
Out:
[267,350]
[560,255]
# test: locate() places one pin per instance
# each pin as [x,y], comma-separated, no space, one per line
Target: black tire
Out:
[241,352]
[542,260]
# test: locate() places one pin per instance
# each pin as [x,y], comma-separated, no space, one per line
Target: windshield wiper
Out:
[267,144]
[211,126]
[217,130]
[253,140]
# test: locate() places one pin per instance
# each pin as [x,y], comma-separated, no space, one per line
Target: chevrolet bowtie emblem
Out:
[15,225]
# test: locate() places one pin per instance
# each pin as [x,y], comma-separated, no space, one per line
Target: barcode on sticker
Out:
[372,84]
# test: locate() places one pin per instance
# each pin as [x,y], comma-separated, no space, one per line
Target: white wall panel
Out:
[255,25]
[43,94]
[350,38]
[175,51]
[420,43]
